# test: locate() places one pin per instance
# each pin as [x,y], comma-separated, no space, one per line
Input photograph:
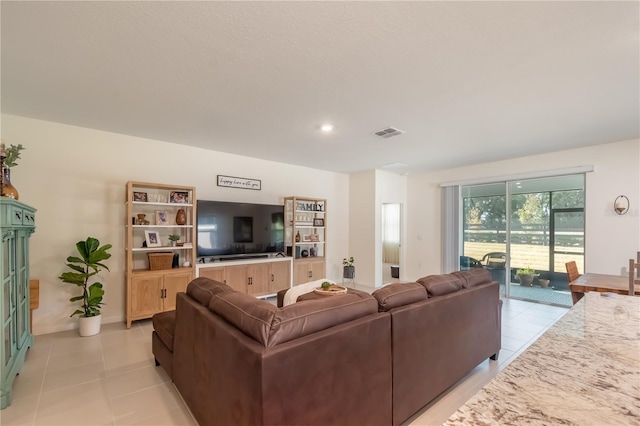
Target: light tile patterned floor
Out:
[110,379]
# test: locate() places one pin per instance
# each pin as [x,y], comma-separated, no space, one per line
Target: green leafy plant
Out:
[325,285]
[85,267]
[12,154]
[525,271]
[347,262]
[174,237]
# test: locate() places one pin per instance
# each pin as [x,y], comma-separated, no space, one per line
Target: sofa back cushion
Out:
[250,315]
[269,325]
[439,285]
[473,277]
[399,294]
[203,289]
[304,318]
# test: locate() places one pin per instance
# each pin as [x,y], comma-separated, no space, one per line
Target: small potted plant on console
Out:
[349,270]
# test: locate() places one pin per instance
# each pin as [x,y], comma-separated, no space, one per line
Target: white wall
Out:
[610,239]
[369,190]
[76,178]
[362,226]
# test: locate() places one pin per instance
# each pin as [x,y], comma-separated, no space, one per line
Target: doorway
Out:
[391,242]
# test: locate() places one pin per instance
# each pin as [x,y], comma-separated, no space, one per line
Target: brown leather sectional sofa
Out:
[349,359]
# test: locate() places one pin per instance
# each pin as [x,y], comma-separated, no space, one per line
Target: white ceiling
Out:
[469,82]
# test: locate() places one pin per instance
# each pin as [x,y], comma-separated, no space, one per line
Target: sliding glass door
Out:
[484,229]
[524,232]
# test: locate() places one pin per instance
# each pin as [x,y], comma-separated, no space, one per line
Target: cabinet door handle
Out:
[272,278]
[310,274]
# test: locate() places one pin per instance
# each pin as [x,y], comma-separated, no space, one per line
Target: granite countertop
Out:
[585,370]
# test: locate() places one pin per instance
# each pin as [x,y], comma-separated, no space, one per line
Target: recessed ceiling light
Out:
[326,127]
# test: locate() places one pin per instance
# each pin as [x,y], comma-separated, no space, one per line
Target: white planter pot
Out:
[90,326]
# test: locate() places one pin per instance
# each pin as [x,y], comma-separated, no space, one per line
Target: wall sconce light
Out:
[621,205]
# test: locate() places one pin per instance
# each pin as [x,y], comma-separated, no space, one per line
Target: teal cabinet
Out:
[17,223]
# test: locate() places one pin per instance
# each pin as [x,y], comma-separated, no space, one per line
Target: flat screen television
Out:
[228,230]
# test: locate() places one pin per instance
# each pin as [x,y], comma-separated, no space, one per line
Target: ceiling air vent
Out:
[388,132]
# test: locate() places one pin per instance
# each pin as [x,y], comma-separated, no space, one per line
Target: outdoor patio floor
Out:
[539,294]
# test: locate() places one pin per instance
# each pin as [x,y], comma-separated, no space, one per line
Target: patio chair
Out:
[495,259]
[467,262]
[495,262]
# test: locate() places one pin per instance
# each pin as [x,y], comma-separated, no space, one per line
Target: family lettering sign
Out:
[237,182]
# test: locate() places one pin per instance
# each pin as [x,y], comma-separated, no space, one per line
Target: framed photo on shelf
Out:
[318,221]
[152,238]
[180,197]
[140,196]
[161,217]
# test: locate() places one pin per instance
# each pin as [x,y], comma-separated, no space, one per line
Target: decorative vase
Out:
[174,243]
[8,190]
[181,217]
[543,283]
[349,272]
[89,326]
[298,237]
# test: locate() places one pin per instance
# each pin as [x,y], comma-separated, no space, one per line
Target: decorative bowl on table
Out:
[331,290]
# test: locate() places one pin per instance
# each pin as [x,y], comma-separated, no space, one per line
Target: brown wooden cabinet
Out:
[215,274]
[151,293]
[280,276]
[256,278]
[158,210]
[310,270]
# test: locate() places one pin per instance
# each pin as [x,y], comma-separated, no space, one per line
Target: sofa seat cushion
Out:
[473,277]
[439,285]
[399,294]
[203,289]
[164,324]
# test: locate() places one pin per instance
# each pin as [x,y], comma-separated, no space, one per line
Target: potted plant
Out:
[349,271]
[11,155]
[85,267]
[525,276]
[174,239]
